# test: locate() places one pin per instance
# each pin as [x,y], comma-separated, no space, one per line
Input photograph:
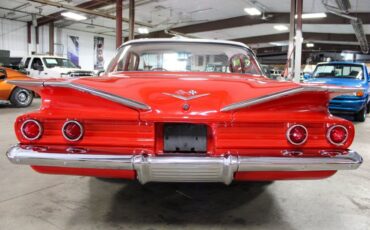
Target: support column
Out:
[51,38]
[37,39]
[118,23]
[298,42]
[131,34]
[29,37]
[290,57]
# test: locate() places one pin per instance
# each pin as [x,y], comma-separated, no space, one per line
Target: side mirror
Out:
[307,76]
[100,73]
[3,74]
[40,68]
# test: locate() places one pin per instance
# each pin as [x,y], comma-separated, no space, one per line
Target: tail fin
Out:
[38,85]
[331,91]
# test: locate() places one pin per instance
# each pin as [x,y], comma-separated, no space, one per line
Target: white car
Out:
[41,66]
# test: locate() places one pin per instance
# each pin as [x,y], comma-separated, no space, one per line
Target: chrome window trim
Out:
[187,40]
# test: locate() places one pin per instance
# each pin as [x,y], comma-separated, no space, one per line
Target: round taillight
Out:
[337,134]
[297,134]
[31,129]
[72,130]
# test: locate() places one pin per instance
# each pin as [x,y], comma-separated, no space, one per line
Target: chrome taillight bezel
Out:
[288,134]
[38,124]
[331,141]
[74,122]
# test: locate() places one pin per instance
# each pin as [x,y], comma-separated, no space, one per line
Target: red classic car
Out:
[184,110]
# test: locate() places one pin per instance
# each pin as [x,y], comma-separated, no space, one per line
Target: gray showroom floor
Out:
[29,200]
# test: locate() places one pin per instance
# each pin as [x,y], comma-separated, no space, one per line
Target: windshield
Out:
[51,62]
[184,57]
[350,71]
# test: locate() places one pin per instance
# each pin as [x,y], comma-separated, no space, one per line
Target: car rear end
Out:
[291,137]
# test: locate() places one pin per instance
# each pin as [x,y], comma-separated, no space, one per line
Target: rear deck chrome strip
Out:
[183,168]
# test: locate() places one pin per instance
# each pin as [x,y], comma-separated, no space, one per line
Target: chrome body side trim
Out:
[259,100]
[66,84]
[333,90]
[111,97]
[186,168]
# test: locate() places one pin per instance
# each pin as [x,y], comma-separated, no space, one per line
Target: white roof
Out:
[183,39]
[45,56]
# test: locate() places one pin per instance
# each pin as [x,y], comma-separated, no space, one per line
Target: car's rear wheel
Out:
[361,116]
[21,97]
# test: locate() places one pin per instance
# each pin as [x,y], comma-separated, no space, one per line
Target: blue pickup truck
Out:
[350,74]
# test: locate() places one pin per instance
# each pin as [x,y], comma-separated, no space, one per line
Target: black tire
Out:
[361,116]
[21,97]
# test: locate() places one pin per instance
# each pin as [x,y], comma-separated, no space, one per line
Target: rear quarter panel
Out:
[6,88]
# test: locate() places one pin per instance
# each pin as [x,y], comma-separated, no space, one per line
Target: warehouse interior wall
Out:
[13,37]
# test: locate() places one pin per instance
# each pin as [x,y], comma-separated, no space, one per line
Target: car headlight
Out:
[359,93]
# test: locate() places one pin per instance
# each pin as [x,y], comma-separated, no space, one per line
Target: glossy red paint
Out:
[258,130]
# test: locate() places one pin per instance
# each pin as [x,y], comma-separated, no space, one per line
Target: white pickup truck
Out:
[42,66]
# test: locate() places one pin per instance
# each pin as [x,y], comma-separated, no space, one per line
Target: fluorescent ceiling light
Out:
[252,11]
[276,43]
[74,16]
[310,44]
[313,15]
[280,27]
[143,30]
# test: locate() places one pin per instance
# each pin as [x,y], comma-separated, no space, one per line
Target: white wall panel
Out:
[86,43]
[86,51]
[13,37]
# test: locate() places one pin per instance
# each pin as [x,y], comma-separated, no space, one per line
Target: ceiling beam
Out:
[249,21]
[86,8]
[319,47]
[57,25]
[306,36]
[57,15]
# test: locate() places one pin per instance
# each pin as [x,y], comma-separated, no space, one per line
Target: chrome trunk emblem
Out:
[186,95]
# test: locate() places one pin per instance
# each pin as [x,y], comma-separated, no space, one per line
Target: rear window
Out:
[350,71]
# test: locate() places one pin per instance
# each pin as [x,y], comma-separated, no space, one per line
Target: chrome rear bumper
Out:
[184,168]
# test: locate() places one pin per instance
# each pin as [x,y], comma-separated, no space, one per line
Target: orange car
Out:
[19,97]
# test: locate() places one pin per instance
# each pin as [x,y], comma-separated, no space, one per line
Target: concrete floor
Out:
[29,200]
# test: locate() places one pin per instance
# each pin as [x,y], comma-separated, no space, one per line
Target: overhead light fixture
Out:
[74,16]
[252,11]
[310,45]
[10,13]
[276,43]
[143,30]
[280,27]
[313,15]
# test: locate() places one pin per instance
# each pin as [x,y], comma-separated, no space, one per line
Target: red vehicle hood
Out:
[186,95]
